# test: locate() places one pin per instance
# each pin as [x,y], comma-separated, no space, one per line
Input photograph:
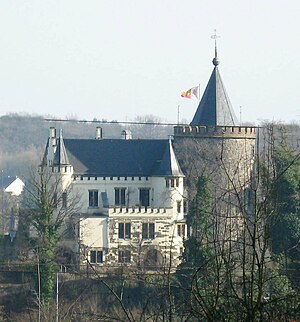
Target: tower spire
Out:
[215,108]
[215,37]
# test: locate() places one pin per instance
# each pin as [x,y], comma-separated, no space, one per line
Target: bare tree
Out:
[52,204]
[233,276]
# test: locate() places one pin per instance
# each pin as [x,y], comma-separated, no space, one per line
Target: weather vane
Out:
[215,37]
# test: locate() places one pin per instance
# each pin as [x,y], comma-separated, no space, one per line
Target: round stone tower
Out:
[216,146]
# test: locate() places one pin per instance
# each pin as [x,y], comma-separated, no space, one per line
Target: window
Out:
[96,256]
[181,230]
[70,230]
[55,199]
[104,199]
[64,199]
[124,256]
[93,198]
[125,230]
[144,197]
[148,231]
[120,196]
[167,183]
[185,206]
[179,207]
[174,182]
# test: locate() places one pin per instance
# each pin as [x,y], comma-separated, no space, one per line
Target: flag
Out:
[191,93]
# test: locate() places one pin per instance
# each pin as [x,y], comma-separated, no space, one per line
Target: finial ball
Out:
[216,61]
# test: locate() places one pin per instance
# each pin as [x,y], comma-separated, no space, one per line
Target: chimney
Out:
[52,135]
[98,133]
[126,135]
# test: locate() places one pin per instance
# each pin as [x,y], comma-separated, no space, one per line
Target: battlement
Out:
[236,132]
[137,210]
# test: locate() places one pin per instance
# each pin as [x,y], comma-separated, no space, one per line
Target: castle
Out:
[135,193]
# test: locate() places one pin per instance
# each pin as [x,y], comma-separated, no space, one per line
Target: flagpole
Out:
[178,114]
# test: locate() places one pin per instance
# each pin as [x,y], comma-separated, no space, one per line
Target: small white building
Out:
[132,207]
[13,185]
[11,190]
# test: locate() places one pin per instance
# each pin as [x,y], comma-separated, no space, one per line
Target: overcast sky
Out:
[116,59]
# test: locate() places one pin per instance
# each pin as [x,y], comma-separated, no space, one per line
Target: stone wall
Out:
[224,155]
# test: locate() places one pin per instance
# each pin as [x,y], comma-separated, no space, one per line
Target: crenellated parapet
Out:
[138,210]
[207,131]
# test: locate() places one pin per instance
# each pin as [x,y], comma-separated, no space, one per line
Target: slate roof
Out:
[111,157]
[6,181]
[169,164]
[215,108]
[61,156]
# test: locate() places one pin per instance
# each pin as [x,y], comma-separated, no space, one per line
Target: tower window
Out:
[185,206]
[181,230]
[179,207]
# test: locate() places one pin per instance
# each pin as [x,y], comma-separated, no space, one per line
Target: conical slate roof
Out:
[169,165]
[45,156]
[61,157]
[215,108]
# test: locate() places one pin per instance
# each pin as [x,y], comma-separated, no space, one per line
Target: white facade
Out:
[113,229]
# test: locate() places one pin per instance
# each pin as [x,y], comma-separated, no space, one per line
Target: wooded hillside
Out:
[23,137]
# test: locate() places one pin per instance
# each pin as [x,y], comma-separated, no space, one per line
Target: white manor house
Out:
[132,205]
